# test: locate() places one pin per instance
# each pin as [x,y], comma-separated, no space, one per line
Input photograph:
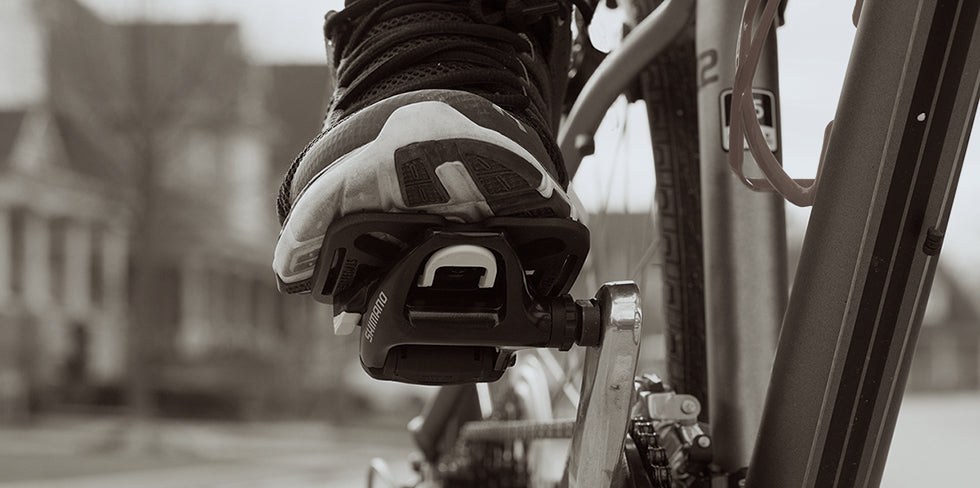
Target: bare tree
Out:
[138,90]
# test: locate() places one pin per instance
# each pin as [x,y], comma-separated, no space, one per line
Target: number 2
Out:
[708,61]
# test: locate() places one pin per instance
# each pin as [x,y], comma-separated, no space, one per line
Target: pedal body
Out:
[446,303]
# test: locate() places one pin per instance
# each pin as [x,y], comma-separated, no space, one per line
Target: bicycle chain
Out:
[487,453]
[654,455]
[484,464]
[515,430]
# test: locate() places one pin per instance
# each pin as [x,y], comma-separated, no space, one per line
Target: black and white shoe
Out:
[442,107]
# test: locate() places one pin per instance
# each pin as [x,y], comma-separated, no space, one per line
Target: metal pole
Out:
[870,251]
[744,243]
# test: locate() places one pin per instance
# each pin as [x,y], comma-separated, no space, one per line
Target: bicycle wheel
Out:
[668,86]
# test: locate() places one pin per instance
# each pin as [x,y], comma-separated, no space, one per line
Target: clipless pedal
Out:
[438,302]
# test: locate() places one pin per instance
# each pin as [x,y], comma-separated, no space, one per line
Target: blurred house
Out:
[947,355]
[102,121]
[62,232]
[947,351]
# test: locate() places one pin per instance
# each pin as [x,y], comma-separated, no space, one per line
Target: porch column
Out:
[36,267]
[76,288]
[109,336]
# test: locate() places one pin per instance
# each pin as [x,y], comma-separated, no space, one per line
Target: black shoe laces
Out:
[491,48]
[382,48]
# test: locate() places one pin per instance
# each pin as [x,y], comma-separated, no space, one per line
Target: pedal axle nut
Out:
[564,323]
[590,325]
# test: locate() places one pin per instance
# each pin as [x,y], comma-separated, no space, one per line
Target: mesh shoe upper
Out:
[513,53]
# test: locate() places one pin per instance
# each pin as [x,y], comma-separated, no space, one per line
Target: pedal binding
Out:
[440,302]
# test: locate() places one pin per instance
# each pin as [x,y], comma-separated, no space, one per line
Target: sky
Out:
[814,46]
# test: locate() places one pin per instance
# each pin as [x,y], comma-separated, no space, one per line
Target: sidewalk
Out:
[74,452]
[935,444]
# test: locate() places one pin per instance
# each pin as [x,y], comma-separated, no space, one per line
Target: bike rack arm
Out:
[607,389]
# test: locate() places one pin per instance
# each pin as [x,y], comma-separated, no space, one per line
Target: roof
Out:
[10,123]
[85,154]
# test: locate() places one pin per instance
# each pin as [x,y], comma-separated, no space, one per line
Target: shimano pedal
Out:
[439,302]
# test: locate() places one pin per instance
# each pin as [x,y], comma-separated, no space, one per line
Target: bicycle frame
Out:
[745,297]
[869,255]
[871,247]
[744,235]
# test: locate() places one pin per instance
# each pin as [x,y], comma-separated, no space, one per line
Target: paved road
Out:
[936,444]
[73,453]
[280,472]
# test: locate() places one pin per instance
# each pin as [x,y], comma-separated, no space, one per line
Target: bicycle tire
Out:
[669,89]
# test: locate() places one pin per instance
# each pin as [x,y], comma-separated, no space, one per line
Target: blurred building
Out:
[87,106]
[947,355]
[62,234]
[947,351]
[103,124]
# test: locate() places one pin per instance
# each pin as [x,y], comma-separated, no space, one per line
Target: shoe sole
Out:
[427,158]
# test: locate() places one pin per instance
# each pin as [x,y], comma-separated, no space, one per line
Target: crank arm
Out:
[607,389]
